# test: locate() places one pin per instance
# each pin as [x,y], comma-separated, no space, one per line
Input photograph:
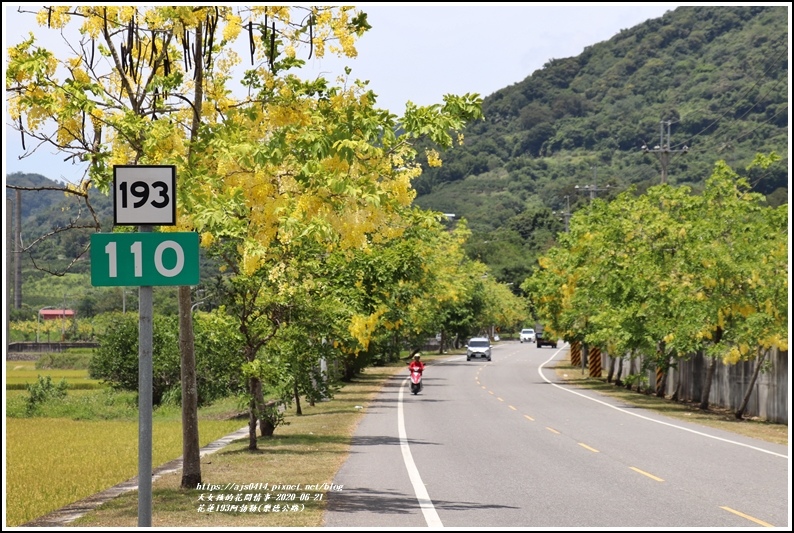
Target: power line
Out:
[663,149]
[592,188]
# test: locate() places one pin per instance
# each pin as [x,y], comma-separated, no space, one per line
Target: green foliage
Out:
[670,273]
[217,359]
[42,391]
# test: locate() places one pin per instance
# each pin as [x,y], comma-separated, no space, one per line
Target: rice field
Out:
[84,443]
[52,462]
[20,373]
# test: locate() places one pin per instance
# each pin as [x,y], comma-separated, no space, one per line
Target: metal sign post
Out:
[145,402]
[144,196]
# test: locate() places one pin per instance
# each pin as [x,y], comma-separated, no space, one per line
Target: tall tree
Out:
[304,164]
[137,85]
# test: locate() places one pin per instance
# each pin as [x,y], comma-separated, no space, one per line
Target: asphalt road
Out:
[502,444]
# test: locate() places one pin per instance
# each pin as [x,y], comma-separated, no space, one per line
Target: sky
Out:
[416,52]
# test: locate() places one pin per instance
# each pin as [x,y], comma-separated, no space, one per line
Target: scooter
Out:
[416,381]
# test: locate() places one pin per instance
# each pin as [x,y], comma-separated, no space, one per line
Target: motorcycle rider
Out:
[416,364]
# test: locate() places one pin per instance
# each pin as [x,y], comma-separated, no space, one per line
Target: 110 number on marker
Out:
[137,251]
[143,259]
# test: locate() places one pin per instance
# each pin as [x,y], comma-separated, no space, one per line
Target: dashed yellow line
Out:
[646,474]
[498,398]
[513,408]
[529,417]
[490,392]
[553,430]
[586,447]
[748,517]
[483,386]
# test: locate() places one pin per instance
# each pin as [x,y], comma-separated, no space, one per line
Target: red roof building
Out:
[53,314]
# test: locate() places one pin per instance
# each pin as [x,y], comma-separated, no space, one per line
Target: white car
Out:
[478,347]
[527,334]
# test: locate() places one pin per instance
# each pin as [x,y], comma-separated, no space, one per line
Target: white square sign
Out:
[144,195]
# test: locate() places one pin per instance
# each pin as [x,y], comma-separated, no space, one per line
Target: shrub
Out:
[217,349]
[42,391]
[116,359]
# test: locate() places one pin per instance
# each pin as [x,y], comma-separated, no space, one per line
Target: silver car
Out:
[478,347]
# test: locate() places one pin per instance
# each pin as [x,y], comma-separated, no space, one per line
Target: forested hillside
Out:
[715,77]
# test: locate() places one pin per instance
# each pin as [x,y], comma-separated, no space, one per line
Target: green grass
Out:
[309,450]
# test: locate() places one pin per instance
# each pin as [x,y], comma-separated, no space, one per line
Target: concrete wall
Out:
[769,397]
[40,347]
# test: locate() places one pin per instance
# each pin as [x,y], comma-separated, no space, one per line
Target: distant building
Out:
[54,314]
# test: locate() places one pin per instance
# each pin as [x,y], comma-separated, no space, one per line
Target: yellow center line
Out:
[498,398]
[490,392]
[586,447]
[529,417]
[646,474]
[748,517]
[553,430]
[483,386]
[513,408]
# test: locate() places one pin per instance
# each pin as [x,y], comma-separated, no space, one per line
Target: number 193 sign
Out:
[144,259]
[144,195]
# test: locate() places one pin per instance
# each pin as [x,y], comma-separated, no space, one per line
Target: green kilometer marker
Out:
[144,259]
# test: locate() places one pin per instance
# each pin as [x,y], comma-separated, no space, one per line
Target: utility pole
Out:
[663,149]
[9,254]
[565,215]
[592,188]
[18,254]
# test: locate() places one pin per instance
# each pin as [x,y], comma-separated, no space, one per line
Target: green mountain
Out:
[699,84]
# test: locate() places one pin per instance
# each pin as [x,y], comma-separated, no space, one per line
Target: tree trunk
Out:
[611,369]
[298,410]
[640,373]
[348,372]
[618,383]
[678,384]
[191,457]
[252,415]
[761,356]
[631,372]
[266,427]
[704,397]
[253,411]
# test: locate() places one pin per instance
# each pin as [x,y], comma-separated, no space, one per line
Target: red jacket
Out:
[416,365]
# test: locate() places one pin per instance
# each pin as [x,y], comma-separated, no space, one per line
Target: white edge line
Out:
[428,510]
[540,371]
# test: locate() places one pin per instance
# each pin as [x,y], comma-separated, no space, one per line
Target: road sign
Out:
[144,195]
[144,259]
